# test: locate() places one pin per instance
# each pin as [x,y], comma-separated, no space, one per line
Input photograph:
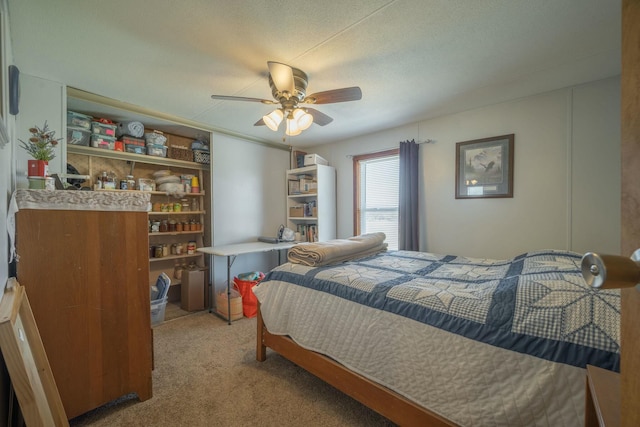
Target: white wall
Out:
[40,100]
[596,168]
[249,200]
[559,137]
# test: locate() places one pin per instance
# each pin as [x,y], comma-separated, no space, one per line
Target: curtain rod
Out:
[426,141]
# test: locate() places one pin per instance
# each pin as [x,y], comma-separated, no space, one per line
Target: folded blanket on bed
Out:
[339,250]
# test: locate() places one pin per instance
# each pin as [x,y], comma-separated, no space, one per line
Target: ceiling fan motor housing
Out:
[300,81]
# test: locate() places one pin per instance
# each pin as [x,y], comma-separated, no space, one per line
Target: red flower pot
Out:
[38,168]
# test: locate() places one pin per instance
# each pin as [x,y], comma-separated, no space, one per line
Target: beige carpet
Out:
[206,375]
[173,311]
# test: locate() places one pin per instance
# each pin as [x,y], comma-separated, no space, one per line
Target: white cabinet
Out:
[311,202]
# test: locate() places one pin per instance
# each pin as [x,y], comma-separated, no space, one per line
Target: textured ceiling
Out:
[413,59]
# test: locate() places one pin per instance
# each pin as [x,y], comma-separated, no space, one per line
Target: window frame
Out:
[356,182]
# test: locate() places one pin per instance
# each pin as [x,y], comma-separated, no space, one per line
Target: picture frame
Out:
[484,168]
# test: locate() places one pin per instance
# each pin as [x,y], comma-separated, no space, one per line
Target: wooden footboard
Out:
[386,402]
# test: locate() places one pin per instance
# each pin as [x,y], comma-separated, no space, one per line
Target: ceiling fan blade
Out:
[282,76]
[336,95]
[319,118]
[241,98]
[259,123]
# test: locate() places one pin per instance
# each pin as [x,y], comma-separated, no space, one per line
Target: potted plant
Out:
[41,147]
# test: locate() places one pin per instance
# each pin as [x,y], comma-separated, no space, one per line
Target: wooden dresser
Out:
[83,261]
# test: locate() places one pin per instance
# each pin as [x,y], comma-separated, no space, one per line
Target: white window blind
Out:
[379,196]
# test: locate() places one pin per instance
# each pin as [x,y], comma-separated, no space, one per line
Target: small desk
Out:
[231,251]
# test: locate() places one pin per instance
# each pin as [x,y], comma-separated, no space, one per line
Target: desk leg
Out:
[211,289]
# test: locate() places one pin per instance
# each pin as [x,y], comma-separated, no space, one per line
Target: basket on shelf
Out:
[201,156]
[179,152]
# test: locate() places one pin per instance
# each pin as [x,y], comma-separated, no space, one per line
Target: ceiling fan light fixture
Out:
[303,119]
[292,128]
[273,119]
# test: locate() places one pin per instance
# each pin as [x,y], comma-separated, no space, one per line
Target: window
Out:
[376,182]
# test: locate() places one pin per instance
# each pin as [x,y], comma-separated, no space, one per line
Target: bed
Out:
[428,339]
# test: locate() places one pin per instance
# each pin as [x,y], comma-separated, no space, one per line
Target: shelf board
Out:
[132,157]
[302,195]
[302,218]
[164,193]
[177,213]
[170,257]
[156,193]
[175,233]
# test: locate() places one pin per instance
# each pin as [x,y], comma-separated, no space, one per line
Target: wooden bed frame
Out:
[386,402]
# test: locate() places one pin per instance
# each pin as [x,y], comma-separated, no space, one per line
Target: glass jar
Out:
[179,227]
[179,248]
[185,205]
[158,251]
[191,247]
[164,226]
[195,204]
[165,250]
[172,225]
[177,271]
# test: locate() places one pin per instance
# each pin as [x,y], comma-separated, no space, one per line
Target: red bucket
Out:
[249,300]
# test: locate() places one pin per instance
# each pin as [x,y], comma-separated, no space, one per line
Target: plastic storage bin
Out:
[78,136]
[156,150]
[78,120]
[133,145]
[155,138]
[130,148]
[101,141]
[158,308]
[132,141]
[158,294]
[98,128]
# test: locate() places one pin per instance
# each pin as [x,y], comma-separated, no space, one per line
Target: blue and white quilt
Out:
[536,303]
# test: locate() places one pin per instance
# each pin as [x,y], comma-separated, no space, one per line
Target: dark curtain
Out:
[408,232]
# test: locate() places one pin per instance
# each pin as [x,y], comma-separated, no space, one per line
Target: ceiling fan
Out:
[289,89]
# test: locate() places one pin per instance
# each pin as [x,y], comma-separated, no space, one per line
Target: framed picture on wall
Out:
[484,168]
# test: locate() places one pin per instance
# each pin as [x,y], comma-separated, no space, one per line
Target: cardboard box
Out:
[192,289]
[308,186]
[296,211]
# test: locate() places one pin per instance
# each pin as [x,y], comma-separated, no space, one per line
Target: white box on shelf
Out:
[314,159]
